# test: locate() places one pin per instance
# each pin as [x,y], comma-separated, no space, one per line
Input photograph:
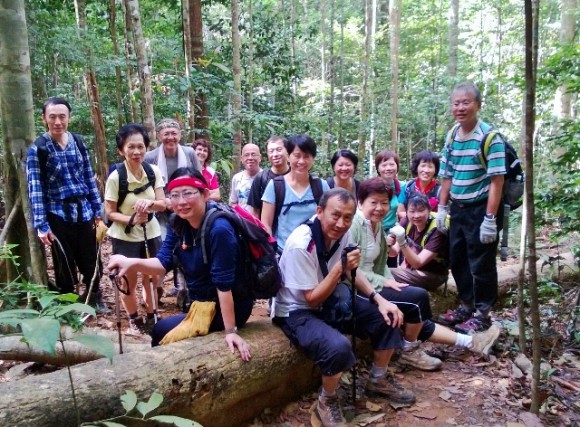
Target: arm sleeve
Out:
[234,189]
[165,254]
[35,192]
[90,181]
[446,166]
[496,162]
[300,270]
[269,195]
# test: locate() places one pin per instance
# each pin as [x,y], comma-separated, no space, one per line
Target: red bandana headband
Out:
[188,181]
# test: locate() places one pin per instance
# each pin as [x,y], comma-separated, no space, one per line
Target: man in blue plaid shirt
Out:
[65,201]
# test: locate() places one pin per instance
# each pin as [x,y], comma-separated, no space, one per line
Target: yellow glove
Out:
[101,231]
[196,323]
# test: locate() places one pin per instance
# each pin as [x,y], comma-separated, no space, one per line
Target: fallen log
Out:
[199,379]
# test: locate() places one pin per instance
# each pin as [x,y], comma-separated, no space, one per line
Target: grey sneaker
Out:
[172,292]
[417,358]
[135,327]
[388,388]
[484,341]
[329,412]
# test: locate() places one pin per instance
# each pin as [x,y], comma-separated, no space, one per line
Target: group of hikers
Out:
[391,241]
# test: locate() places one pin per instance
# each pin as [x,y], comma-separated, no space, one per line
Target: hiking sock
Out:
[409,345]
[463,340]
[377,372]
[324,393]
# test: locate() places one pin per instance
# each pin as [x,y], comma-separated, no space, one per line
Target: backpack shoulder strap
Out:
[318,240]
[80,143]
[485,144]
[316,185]
[409,188]
[430,230]
[449,144]
[123,183]
[330,181]
[280,194]
[150,173]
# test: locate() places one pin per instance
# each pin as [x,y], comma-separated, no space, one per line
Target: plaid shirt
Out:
[68,190]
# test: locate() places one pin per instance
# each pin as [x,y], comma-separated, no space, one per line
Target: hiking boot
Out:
[160,293]
[473,325]
[484,341]
[453,317]
[417,358]
[147,326]
[135,327]
[329,413]
[95,301]
[388,388]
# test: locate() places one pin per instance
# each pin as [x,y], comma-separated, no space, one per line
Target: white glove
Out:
[488,231]
[441,218]
[399,233]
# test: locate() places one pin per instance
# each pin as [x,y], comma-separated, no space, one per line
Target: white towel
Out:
[181,161]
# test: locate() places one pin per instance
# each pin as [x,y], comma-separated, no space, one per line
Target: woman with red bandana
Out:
[215,281]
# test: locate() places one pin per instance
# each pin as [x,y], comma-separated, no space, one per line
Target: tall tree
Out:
[114,40]
[331,78]
[531,40]
[92,88]
[395,21]
[567,35]
[18,133]
[144,69]
[453,39]
[190,100]
[362,138]
[129,55]
[197,55]
[237,95]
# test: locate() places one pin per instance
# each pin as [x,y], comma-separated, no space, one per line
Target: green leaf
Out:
[221,67]
[129,400]
[178,421]
[46,300]
[77,306]
[112,424]
[42,333]
[17,313]
[98,343]
[153,403]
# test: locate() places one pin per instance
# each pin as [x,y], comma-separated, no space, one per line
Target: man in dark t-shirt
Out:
[278,157]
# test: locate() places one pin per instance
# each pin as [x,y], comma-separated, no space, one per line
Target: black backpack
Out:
[411,190]
[258,271]
[280,193]
[124,183]
[513,186]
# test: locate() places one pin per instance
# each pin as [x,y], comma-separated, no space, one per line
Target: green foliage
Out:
[140,411]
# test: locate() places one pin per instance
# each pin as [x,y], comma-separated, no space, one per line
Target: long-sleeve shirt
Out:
[65,186]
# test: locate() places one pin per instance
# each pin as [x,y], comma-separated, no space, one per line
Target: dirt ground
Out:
[470,390]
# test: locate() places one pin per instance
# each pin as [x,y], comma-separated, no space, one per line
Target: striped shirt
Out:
[461,163]
[68,190]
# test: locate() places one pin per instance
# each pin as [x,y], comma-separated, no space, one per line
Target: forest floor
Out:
[470,389]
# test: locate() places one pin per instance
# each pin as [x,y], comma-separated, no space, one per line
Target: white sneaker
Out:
[417,358]
[484,341]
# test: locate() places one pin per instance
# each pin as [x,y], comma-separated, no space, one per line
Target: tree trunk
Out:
[250,71]
[92,88]
[341,67]
[129,55]
[118,84]
[331,79]
[237,96]
[453,39]
[190,100]
[567,35]
[395,21]
[531,12]
[199,379]
[362,148]
[201,107]
[144,69]
[18,134]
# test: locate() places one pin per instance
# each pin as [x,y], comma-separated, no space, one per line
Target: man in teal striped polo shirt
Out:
[471,194]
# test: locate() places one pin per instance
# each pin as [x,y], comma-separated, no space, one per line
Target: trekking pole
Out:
[113,277]
[503,251]
[151,285]
[346,250]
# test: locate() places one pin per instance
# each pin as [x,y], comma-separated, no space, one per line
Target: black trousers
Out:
[473,264]
[77,250]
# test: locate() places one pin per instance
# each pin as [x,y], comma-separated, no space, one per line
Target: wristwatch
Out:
[490,216]
[233,330]
[372,296]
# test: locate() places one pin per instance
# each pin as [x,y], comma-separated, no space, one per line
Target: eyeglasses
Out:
[187,195]
[250,155]
[168,134]
[462,103]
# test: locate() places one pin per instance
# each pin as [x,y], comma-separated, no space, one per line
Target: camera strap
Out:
[318,240]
